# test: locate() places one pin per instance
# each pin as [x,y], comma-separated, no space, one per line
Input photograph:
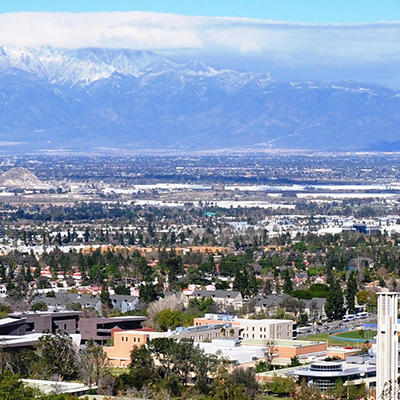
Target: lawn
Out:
[117,371]
[367,334]
[324,337]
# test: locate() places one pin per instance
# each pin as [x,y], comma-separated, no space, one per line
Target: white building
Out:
[256,329]
[387,346]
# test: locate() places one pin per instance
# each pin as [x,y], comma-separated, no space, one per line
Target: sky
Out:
[317,11]
[291,39]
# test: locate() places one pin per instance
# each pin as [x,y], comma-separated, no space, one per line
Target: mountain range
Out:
[88,99]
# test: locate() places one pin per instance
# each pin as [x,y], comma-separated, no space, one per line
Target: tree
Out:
[287,282]
[11,388]
[105,297]
[58,354]
[351,292]
[294,362]
[93,363]
[169,319]
[142,369]
[334,301]
[39,306]
[306,393]
[262,366]
[281,385]
[369,298]
[241,384]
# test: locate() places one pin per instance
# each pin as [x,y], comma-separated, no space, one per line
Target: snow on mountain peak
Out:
[76,66]
[86,65]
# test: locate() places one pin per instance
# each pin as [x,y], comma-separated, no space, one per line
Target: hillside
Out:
[94,98]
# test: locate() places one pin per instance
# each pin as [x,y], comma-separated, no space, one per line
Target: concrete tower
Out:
[387,347]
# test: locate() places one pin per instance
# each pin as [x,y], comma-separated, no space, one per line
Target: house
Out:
[269,304]
[63,300]
[224,298]
[315,309]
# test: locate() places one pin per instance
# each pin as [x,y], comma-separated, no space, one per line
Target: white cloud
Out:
[290,46]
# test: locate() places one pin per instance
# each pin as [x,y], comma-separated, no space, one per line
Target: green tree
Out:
[39,306]
[334,301]
[169,319]
[93,363]
[105,297]
[281,385]
[11,388]
[351,292]
[141,369]
[287,282]
[58,355]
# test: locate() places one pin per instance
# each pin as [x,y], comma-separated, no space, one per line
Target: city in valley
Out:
[221,276]
[199,200]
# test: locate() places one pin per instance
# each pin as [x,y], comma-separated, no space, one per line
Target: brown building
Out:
[100,329]
[42,321]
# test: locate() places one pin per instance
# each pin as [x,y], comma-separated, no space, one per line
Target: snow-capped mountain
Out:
[81,66]
[88,98]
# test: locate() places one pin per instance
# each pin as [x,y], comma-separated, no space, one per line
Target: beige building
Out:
[263,329]
[124,342]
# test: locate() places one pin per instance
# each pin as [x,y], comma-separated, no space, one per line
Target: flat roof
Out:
[57,386]
[8,320]
[282,342]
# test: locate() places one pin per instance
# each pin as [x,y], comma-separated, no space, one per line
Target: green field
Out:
[367,334]
[324,337]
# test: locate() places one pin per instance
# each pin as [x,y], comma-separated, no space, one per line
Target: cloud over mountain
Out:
[365,52]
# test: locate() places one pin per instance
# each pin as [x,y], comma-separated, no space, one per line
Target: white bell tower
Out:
[387,347]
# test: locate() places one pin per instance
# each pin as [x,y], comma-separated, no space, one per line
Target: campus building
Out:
[261,329]
[119,354]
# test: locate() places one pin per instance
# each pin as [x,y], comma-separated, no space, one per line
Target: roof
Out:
[217,293]
[9,321]
[234,353]
[271,300]
[282,342]
[29,339]
[57,386]
[63,298]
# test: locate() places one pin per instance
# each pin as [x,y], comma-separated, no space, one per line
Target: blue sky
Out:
[317,11]
[291,39]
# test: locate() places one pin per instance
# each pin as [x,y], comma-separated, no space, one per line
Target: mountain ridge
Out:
[88,98]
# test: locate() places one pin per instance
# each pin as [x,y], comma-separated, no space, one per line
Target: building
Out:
[119,354]
[225,298]
[63,300]
[234,351]
[100,329]
[387,346]
[52,322]
[323,375]
[314,308]
[13,326]
[262,329]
